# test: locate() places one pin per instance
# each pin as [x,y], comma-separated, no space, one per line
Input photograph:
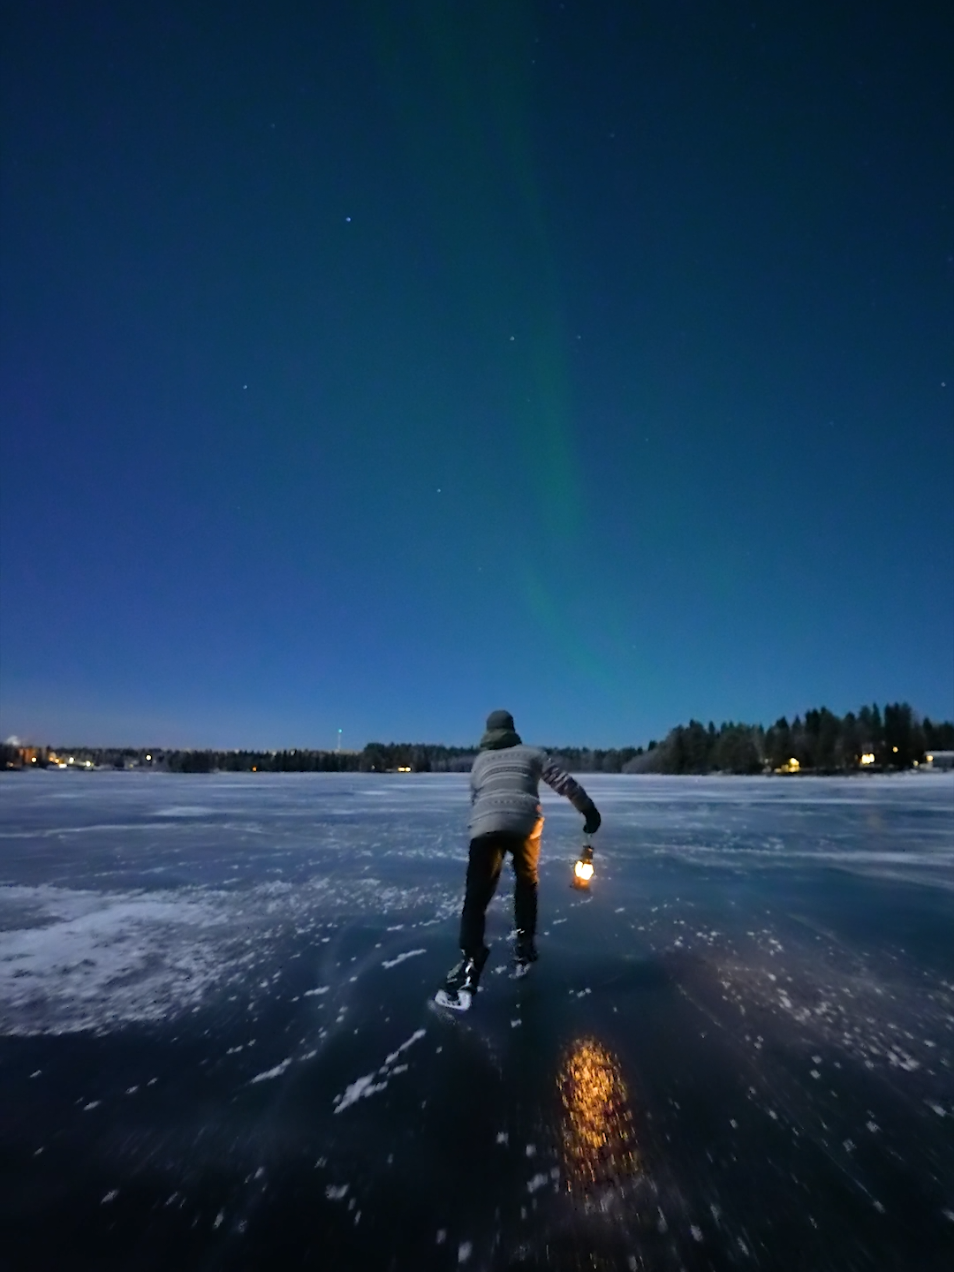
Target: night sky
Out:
[375,365]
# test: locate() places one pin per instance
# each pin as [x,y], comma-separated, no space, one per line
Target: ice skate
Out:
[524,956]
[459,988]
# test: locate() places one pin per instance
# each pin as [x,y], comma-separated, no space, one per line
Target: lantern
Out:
[583,869]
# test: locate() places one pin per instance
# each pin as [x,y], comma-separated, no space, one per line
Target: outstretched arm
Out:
[564,784]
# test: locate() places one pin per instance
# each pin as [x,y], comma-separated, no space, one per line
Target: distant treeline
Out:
[820,743]
[375,758]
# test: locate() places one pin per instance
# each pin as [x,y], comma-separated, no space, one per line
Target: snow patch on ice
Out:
[101,960]
[272,1073]
[366,1085]
[401,957]
[357,1090]
[416,1036]
[185,810]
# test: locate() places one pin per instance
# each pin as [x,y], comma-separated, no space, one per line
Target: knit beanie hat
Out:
[499,720]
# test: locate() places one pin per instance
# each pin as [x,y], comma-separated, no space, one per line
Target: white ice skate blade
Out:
[461,1002]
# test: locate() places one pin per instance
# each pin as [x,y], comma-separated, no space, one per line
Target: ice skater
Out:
[506,817]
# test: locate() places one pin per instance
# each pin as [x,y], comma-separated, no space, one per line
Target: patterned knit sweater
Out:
[505,789]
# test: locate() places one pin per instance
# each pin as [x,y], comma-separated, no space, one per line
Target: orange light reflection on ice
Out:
[599,1144]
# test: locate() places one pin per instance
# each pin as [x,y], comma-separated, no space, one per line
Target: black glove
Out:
[593,820]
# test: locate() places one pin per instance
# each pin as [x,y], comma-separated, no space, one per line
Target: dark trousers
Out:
[487,853]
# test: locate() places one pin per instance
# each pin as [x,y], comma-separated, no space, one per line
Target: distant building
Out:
[939,760]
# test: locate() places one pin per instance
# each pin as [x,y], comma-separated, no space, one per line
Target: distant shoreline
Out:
[896,739]
[865,774]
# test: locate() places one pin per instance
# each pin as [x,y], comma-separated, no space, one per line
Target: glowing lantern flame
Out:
[583,870]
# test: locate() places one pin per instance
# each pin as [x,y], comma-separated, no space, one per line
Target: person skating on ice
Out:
[506,817]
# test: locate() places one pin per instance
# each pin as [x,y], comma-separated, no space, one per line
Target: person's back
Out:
[506,817]
[505,790]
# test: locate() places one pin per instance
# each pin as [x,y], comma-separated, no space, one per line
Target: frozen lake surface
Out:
[218,1051]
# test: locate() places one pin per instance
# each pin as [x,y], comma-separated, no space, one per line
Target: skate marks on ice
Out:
[819,1071]
[221,1138]
[677,1149]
